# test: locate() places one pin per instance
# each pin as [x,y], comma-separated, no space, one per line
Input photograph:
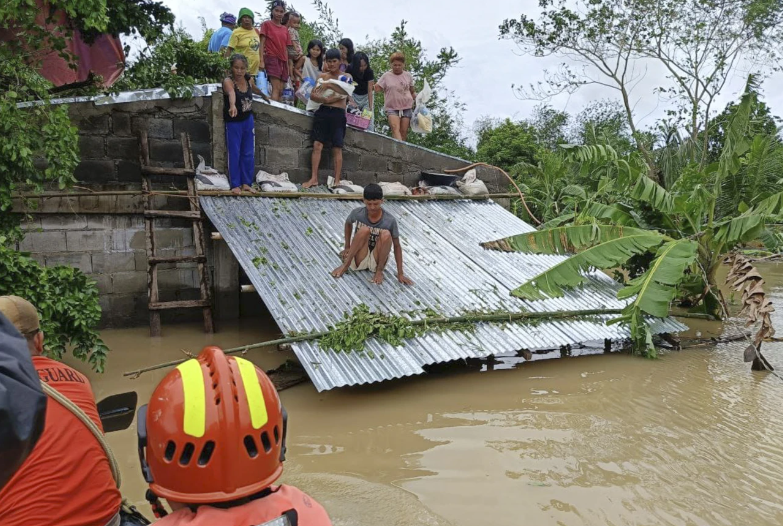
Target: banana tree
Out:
[679,229]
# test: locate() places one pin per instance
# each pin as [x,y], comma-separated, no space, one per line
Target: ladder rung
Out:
[177,259]
[159,170]
[185,304]
[196,216]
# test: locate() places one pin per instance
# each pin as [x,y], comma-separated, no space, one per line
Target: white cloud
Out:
[489,66]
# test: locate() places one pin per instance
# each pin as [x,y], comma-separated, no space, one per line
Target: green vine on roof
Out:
[355,329]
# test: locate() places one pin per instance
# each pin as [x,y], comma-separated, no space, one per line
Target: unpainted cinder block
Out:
[43,242]
[87,241]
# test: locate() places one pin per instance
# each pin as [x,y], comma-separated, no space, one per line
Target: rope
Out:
[81,415]
[521,195]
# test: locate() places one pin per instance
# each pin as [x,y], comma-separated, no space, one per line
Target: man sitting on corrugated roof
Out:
[375,233]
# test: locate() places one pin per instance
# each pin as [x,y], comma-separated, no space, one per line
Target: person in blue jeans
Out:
[240,128]
[219,40]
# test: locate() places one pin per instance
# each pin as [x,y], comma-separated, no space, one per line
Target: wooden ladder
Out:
[193,215]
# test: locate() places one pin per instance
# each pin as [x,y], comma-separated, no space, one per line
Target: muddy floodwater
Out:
[694,438]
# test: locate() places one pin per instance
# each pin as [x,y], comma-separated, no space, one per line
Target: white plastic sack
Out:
[207,178]
[303,93]
[275,183]
[345,187]
[264,177]
[345,86]
[202,167]
[472,185]
[284,186]
[443,190]
[212,182]
[395,188]
[421,122]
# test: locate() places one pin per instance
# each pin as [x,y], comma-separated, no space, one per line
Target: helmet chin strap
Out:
[285,434]
[155,504]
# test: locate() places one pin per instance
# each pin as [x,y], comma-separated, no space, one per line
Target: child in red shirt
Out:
[275,40]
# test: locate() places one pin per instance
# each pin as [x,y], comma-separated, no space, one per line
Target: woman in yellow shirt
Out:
[245,41]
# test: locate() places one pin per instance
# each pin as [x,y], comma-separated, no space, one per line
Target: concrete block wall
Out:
[104,235]
[110,249]
[109,144]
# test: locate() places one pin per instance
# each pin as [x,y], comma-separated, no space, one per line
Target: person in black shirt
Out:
[238,115]
[364,77]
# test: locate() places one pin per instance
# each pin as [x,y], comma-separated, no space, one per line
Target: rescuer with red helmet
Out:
[212,443]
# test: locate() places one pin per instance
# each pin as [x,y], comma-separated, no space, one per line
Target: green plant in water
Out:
[680,234]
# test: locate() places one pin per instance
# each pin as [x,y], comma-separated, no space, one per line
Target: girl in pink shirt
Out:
[399,94]
[275,40]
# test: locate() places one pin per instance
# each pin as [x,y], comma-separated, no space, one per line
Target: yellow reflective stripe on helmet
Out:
[255,398]
[195,398]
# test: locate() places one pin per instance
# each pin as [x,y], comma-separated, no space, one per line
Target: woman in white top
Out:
[314,60]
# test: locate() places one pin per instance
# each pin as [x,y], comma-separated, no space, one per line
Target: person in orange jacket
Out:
[212,443]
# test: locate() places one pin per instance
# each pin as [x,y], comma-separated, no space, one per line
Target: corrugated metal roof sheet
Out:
[288,247]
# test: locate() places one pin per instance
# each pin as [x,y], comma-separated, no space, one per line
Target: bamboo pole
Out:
[50,195]
[510,316]
[282,195]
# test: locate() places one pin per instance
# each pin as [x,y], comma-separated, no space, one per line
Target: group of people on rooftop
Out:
[342,75]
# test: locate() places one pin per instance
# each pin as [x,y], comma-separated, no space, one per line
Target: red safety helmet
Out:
[213,431]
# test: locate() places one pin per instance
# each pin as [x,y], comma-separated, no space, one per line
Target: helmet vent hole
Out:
[276,432]
[265,441]
[171,448]
[187,454]
[251,447]
[206,453]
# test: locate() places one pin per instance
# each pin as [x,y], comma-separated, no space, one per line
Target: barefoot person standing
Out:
[376,233]
[328,99]
[240,128]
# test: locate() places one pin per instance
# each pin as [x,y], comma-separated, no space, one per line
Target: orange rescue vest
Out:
[282,499]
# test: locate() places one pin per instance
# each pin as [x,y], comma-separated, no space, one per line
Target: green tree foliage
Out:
[175,48]
[145,18]
[551,126]
[687,230]
[40,148]
[66,300]
[505,143]
[699,44]
[603,122]
[762,122]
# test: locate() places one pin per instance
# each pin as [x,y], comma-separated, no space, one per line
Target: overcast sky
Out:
[489,66]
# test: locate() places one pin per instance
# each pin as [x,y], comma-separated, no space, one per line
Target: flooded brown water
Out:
[694,438]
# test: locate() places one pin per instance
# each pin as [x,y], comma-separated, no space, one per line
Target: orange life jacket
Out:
[282,499]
